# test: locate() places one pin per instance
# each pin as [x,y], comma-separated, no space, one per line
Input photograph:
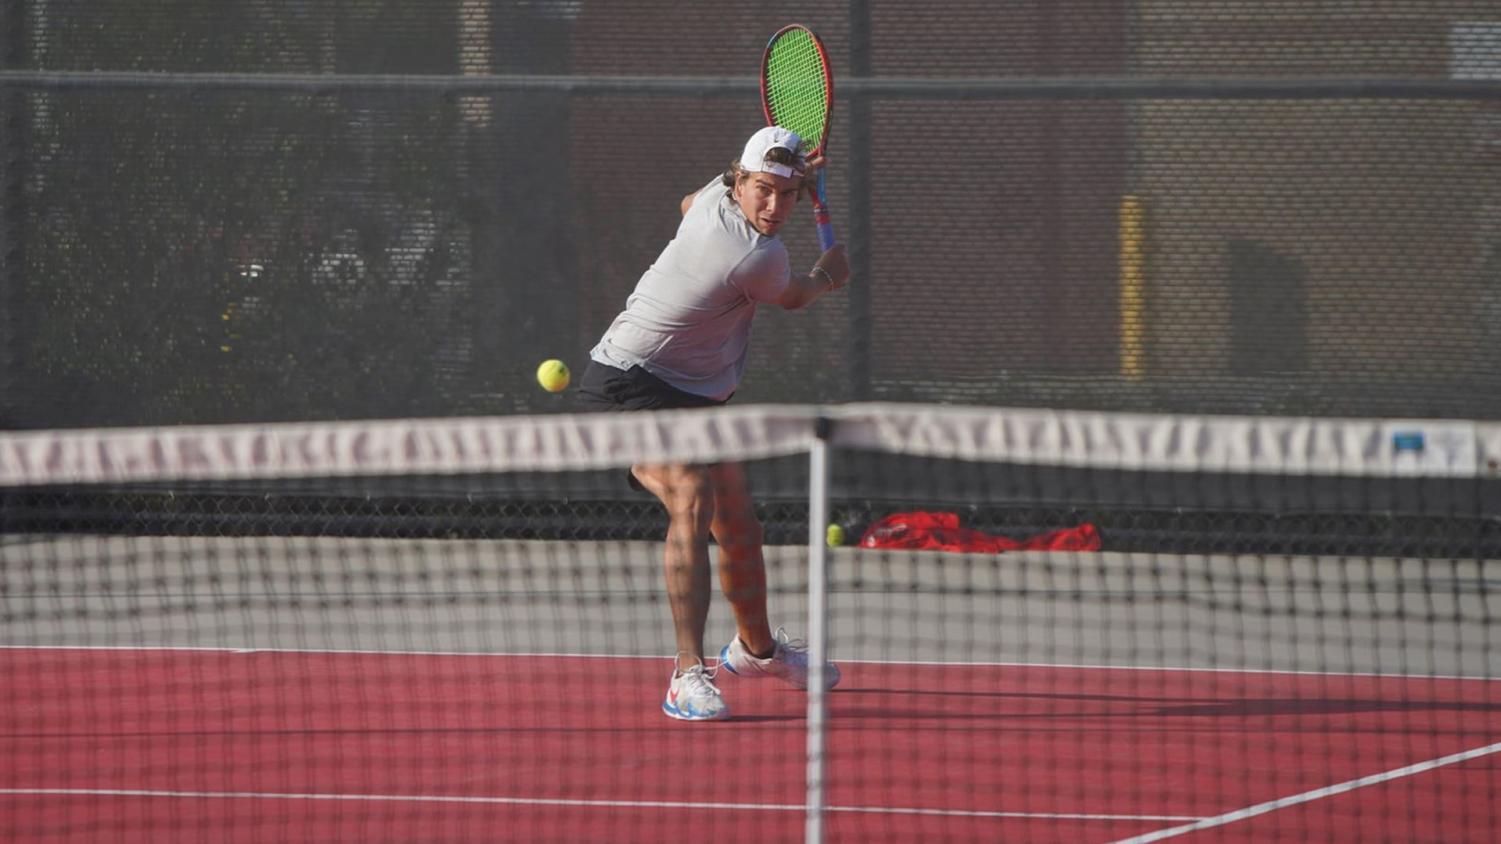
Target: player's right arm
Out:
[830,273]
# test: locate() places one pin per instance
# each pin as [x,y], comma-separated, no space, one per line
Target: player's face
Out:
[767,200]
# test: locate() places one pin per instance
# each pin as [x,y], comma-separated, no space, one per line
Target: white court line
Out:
[334,651]
[1195,823]
[584,804]
[1308,796]
[953,664]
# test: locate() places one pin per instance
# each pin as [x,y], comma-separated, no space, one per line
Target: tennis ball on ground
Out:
[553,375]
[834,536]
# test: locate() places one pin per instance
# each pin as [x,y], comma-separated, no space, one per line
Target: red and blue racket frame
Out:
[821,218]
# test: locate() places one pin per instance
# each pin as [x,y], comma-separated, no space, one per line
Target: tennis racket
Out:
[797,91]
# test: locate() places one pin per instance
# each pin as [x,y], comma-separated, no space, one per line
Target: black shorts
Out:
[605,388]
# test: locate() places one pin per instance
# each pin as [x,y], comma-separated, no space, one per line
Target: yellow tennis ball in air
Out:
[834,536]
[553,375]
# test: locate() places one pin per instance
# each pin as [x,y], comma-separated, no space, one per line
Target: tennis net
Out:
[1050,626]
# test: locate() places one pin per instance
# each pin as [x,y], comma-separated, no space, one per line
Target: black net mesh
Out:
[373,632]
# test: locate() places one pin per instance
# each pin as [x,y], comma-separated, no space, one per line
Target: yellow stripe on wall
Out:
[1133,327]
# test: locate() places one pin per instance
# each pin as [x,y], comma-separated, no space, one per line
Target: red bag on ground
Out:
[941,532]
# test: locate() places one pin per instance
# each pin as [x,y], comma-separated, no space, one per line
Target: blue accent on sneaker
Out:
[692,696]
[788,661]
[687,714]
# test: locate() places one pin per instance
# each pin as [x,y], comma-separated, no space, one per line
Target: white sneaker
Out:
[789,661]
[692,696]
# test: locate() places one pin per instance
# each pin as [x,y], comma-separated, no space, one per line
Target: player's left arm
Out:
[810,176]
[692,197]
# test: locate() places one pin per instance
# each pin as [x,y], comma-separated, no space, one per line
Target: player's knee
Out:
[745,529]
[736,526]
[689,498]
[695,518]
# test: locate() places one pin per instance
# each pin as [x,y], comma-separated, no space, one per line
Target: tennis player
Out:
[681,343]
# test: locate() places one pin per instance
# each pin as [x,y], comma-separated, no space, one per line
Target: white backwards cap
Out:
[753,159]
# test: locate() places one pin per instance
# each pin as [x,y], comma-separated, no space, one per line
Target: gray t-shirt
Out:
[688,321]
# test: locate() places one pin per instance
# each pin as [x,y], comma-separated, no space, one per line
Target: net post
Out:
[818,516]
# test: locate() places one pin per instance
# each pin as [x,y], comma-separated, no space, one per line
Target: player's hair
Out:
[776,155]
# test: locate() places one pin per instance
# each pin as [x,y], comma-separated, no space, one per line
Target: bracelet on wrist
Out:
[825,273]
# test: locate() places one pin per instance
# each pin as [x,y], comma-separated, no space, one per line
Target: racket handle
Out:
[821,219]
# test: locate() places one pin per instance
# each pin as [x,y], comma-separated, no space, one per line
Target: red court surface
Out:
[225,746]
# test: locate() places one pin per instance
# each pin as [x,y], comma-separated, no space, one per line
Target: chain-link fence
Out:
[285,210]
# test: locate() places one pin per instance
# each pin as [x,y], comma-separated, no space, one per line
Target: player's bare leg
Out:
[756,651]
[742,566]
[688,495]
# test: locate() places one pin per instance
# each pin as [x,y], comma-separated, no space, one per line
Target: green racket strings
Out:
[796,95]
